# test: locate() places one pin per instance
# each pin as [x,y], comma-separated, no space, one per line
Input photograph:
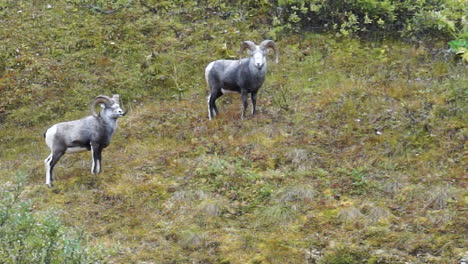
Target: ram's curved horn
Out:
[270,44]
[246,45]
[100,99]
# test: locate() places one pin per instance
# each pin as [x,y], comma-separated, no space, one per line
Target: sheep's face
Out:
[113,110]
[259,57]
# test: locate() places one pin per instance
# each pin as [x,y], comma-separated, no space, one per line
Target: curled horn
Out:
[100,99]
[270,44]
[246,45]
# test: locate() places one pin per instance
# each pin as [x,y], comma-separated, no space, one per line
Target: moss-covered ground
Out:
[357,153]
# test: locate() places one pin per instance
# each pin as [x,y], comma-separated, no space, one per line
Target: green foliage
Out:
[38,237]
[281,97]
[416,18]
[104,6]
[460,47]
[360,182]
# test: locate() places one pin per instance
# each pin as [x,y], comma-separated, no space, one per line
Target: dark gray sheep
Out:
[242,76]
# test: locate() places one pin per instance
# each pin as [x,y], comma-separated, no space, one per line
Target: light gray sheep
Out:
[93,133]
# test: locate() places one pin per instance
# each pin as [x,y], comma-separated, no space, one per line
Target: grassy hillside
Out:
[357,154]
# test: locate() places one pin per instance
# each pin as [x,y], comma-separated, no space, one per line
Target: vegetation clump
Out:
[39,237]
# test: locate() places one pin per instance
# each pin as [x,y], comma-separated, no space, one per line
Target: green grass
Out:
[39,236]
[357,151]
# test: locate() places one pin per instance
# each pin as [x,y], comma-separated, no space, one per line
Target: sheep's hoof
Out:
[50,185]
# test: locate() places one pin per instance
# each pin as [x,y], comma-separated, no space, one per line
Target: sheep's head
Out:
[111,106]
[258,53]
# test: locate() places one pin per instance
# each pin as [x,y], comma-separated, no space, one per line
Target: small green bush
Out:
[30,237]
[459,46]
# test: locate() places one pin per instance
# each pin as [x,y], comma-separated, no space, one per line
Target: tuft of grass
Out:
[211,208]
[440,197]
[300,159]
[346,255]
[193,239]
[351,215]
[367,214]
[300,193]
[375,214]
[278,215]
[393,186]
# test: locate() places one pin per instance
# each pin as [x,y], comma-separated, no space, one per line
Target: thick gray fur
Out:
[93,133]
[240,76]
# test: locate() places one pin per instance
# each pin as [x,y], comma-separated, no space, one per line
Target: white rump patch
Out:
[224,91]
[76,149]
[208,69]
[49,137]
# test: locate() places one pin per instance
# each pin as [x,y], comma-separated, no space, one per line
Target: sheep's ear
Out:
[102,106]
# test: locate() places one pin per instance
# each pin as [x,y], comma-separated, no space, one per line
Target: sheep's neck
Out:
[109,124]
[257,75]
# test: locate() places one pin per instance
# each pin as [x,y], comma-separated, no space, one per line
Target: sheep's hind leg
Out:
[50,163]
[212,109]
[48,171]
[215,108]
[210,114]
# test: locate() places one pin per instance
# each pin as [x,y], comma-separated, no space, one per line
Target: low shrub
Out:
[39,237]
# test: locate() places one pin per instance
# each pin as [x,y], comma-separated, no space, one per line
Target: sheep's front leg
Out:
[254,102]
[244,103]
[96,156]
